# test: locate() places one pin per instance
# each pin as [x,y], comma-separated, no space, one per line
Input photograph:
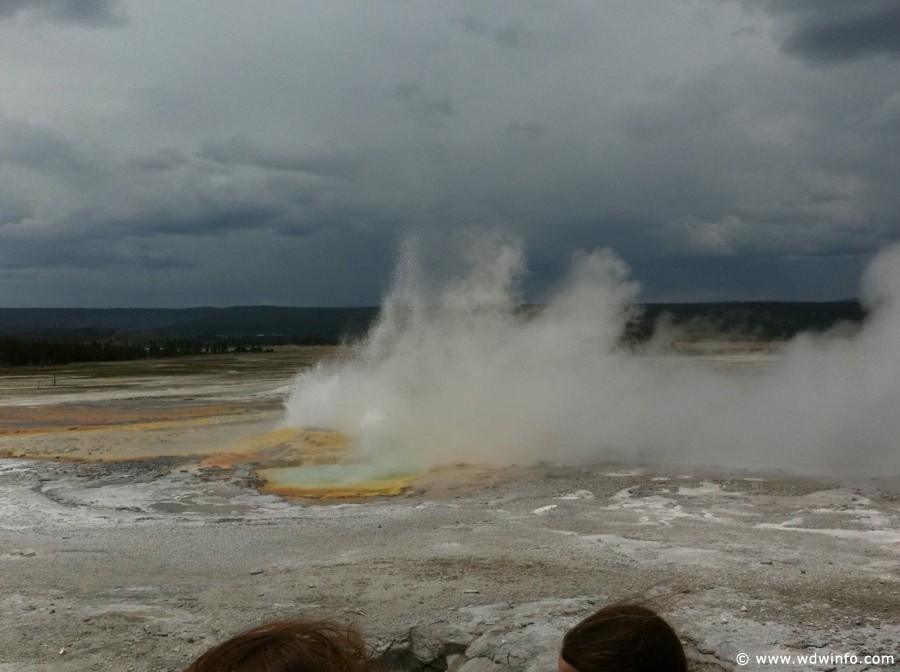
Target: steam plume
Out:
[458,372]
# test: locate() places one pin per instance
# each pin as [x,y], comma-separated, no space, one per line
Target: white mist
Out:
[456,372]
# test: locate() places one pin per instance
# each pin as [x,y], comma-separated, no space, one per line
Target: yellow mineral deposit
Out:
[345,482]
[315,463]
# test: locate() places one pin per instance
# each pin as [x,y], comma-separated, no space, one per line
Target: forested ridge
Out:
[27,352]
[45,337]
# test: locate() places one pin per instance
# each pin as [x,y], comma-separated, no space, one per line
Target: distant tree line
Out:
[29,352]
[760,320]
[255,329]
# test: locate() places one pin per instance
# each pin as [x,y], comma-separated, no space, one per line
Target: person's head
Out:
[288,646]
[622,638]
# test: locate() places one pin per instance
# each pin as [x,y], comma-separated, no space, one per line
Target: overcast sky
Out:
[221,152]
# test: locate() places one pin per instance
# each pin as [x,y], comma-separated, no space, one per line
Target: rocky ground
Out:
[141,564]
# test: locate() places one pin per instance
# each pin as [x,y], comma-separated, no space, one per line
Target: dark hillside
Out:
[266,323]
[278,324]
[41,321]
[275,323]
[758,320]
[45,337]
[40,337]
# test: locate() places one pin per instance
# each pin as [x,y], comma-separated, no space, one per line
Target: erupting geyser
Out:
[460,372]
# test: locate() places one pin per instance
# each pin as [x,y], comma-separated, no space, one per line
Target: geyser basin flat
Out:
[193,407]
[94,555]
[222,412]
[145,566]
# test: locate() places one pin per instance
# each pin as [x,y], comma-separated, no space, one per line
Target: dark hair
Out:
[623,638]
[288,646]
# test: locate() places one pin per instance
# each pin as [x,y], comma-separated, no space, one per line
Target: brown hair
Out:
[288,646]
[623,637]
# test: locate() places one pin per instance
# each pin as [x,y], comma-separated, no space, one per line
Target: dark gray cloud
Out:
[830,31]
[523,130]
[39,148]
[238,151]
[430,111]
[95,13]
[14,211]
[511,33]
[694,138]
[37,251]
[99,212]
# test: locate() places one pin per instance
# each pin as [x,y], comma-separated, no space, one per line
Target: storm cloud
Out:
[84,12]
[831,31]
[229,153]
